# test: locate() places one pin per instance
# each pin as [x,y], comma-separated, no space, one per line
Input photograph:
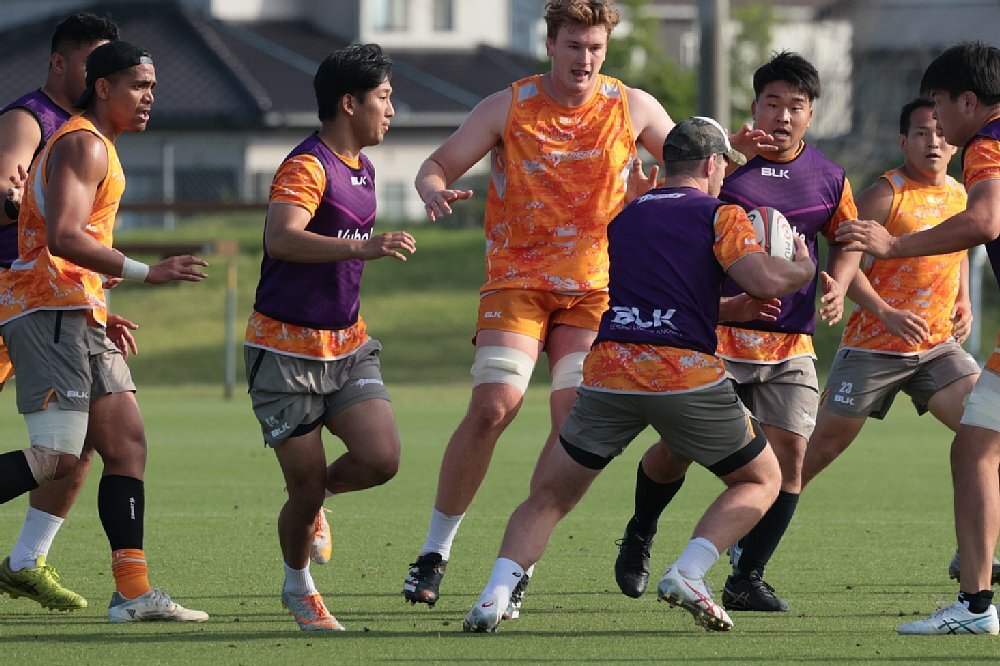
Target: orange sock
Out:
[128,566]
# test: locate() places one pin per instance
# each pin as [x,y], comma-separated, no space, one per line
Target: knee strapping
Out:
[568,372]
[43,463]
[504,365]
[62,430]
[982,406]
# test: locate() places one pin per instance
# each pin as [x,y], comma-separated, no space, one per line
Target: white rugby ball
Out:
[774,233]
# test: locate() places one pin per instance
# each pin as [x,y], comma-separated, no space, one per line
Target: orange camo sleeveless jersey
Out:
[982,162]
[301,181]
[619,367]
[557,180]
[39,280]
[926,286]
[766,347]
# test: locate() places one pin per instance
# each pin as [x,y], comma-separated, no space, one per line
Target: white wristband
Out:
[134,270]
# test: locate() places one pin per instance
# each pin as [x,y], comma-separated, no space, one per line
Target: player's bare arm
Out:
[650,121]
[19,136]
[763,276]
[979,223]
[286,238]
[77,164]
[477,136]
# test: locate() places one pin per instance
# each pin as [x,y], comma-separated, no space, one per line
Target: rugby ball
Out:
[774,233]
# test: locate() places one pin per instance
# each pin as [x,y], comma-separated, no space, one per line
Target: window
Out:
[391,15]
[444,15]
[392,200]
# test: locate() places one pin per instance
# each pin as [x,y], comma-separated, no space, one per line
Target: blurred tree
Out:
[750,48]
[637,59]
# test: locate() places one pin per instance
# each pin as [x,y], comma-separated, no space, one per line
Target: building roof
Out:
[214,73]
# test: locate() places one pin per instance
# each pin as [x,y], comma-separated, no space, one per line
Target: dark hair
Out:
[350,71]
[967,66]
[791,68]
[82,29]
[907,111]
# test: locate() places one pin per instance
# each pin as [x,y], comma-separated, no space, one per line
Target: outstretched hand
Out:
[182,268]
[865,236]
[438,202]
[744,307]
[961,316]
[752,142]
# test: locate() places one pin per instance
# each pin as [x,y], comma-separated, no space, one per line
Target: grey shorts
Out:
[57,355]
[709,426]
[292,396]
[864,383]
[784,395]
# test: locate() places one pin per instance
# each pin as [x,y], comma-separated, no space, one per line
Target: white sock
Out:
[697,558]
[441,533]
[505,575]
[299,581]
[37,533]
[530,571]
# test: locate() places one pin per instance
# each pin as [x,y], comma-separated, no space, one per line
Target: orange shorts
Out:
[534,313]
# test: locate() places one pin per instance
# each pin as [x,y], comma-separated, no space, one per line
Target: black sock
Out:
[15,476]
[761,542]
[121,505]
[651,498]
[978,602]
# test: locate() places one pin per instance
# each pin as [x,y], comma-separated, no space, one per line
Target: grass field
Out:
[868,550]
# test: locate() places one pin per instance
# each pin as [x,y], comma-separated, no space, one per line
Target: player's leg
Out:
[941,387]
[975,469]
[289,399]
[659,476]
[303,466]
[116,432]
[785,400]
[715,431]
[599,426]
[57,430]
[504,360]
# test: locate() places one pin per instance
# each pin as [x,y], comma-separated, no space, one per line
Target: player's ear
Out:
[347,103]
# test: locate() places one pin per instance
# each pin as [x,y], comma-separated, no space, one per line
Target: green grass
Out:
[868,549]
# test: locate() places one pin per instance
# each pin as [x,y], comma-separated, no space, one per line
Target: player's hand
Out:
[110,281]
[437,203]
[909,327]
[832,302]
[752,142]
[16,189]
[745,307]
[866,236]
[961,317]
[119,331]
[388,245]
[638,183]
[182,268]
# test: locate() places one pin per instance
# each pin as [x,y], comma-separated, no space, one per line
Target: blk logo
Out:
[659,318]
[359,180]
[775,173]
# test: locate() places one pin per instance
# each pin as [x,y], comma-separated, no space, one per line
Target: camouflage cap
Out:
[696,138]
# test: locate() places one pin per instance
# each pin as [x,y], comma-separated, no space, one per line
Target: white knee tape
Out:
[62,430]
[568,371]
[502,365]
[982,406]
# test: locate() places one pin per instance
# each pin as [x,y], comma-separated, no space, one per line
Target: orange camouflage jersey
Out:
[769,347]
[620,367]
[981,162]
[38,280]
[926,286]
[557,179]
[301,181]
